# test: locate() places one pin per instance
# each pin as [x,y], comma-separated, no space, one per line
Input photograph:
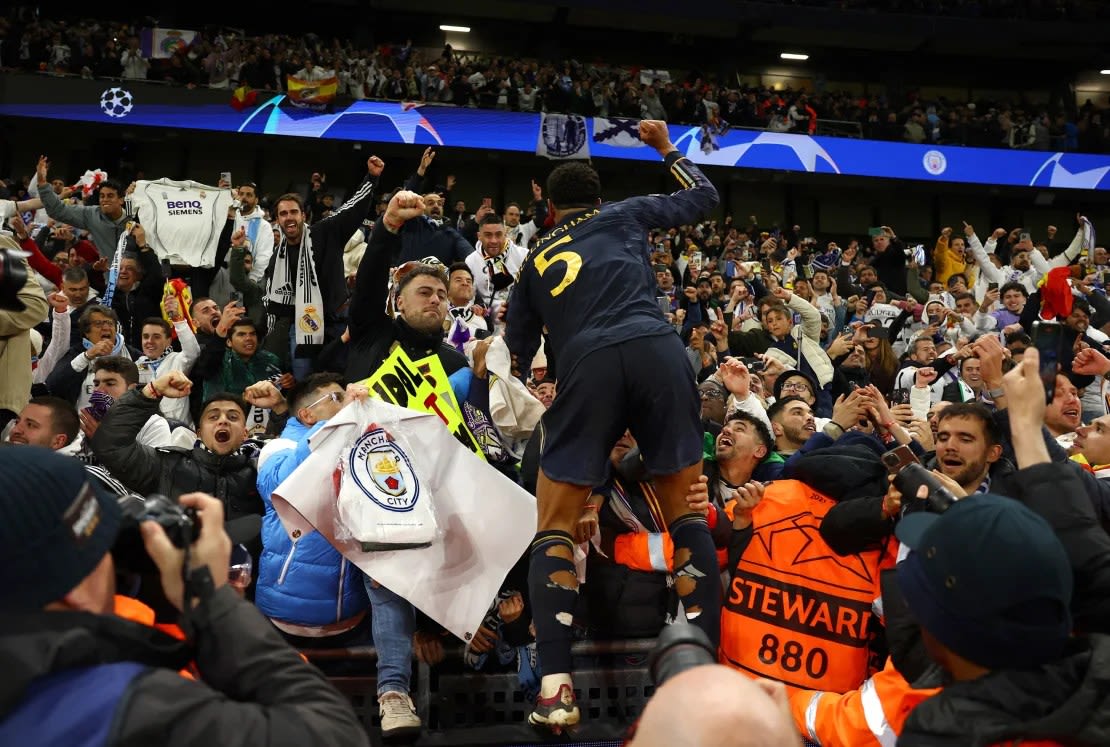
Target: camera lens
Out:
[680,647]
[13,275]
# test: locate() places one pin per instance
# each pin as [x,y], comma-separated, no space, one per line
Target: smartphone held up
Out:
[1048,338]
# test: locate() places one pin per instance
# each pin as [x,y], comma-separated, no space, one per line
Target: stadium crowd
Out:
[871,409]
[223,58]
[1037,10]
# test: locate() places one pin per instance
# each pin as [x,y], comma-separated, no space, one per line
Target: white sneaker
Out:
[398,715]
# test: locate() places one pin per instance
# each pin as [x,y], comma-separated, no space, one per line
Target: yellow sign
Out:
[421,385]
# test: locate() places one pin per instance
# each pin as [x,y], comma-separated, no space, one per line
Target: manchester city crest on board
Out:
[382,471]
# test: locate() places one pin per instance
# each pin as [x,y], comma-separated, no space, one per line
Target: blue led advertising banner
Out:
[138,103]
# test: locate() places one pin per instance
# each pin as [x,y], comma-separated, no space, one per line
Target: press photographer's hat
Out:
[56,525]
[990,580]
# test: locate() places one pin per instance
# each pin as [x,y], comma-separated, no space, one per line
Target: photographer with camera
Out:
[73,668]
[732,710]
[968,459]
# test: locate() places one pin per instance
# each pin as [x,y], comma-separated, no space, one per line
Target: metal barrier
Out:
[463,707]
[839,128]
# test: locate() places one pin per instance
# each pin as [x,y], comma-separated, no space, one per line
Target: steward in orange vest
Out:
[991,586]
[795,611]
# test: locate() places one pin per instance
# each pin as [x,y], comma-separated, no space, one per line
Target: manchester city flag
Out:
[406,482]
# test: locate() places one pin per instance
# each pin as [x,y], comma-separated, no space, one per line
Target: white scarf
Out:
[304,295]
[113,271]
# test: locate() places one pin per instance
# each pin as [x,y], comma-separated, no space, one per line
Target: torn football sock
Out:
[697,579]
[553,584]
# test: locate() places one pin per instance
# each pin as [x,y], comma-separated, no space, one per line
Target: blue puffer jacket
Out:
[306,582]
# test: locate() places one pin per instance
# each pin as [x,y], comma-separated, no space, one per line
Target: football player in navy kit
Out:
[589,281]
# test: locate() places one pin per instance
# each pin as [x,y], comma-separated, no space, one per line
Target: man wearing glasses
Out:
[72,377]
[310,592]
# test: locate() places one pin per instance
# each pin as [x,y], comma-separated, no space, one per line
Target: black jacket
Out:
[452,241]
[373,332]
[856,523]
[891,266]
[1066,701]
[1057,493]
[142,301]
[172,471]
[212,348]
[421,238]
[253,688]
[329,236]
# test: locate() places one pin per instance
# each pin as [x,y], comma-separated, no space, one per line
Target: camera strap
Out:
[197,583]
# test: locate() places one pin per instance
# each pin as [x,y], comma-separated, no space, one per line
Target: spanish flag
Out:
[311,92]
[1056,296]
[244,97]
[180,290]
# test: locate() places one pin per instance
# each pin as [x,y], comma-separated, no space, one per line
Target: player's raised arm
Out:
[695,197]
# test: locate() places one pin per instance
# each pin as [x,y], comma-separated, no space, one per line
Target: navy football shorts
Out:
[645,385]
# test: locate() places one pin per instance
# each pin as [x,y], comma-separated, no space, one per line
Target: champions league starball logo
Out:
[116,102]
[383,472]
[767,150]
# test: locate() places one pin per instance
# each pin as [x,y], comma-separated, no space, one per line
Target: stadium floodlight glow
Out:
[459,29]
[794,56]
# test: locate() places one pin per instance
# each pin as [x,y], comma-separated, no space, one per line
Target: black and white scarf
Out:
[301,292]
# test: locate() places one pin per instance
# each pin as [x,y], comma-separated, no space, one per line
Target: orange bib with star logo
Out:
[795,611]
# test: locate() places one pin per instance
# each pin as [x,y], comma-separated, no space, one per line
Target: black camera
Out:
[910,475]
[680,647]
[182,525]
[13,276]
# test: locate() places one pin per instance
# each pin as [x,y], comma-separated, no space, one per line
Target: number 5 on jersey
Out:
[573,261]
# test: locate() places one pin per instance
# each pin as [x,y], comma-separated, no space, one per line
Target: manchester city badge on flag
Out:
[405,480]
[563,136]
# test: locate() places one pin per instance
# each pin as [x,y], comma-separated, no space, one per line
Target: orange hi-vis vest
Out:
[654,551]
[795,611]
[132,609]
[871,716]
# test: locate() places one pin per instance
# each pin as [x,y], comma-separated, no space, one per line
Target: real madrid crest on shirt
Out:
[384,472]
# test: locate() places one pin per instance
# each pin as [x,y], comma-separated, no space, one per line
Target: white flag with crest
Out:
[484,521]
[563,136]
